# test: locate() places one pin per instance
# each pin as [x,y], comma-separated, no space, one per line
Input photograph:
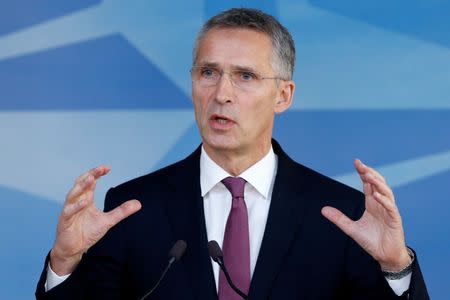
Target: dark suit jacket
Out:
[302,256]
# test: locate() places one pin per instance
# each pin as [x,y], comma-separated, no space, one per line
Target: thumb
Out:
[336,217]
[121,212]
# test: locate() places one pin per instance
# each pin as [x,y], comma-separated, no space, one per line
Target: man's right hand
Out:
[81,224]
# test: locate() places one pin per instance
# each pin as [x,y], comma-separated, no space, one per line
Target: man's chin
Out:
[220,144]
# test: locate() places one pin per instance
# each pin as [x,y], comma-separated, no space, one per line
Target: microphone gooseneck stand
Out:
[216,254]
[175,254]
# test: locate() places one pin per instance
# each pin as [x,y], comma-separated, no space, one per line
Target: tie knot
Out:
[235,185]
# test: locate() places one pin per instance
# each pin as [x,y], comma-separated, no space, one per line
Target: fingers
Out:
[370,175]
[339,219]
[367,188]
[363,169]
[387,203]
[121,212]
[79,188]
[71,209]
[86,182]
[95,172]
[376,187]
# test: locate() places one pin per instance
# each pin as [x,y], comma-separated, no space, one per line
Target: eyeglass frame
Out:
[230,74]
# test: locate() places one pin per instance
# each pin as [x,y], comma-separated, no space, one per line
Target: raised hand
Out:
[81,224]
[379,231]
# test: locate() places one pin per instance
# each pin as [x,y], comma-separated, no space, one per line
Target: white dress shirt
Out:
[217,199]
[257,196]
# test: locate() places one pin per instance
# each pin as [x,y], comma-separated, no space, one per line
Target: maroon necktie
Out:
[236,245]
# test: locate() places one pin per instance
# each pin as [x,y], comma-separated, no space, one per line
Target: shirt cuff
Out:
[399,286]
[53,279]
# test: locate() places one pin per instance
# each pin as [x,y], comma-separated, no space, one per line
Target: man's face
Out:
[231,118]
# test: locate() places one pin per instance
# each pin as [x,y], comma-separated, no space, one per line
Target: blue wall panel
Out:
[76,77]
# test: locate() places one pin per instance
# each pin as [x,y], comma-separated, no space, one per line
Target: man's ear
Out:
[285,96]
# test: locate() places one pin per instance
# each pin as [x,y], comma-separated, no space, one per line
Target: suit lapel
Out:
[284,220]
[186,217]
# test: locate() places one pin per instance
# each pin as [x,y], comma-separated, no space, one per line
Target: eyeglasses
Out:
[243,79]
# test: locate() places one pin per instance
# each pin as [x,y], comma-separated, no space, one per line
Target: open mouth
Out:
[221,119]
[221,122]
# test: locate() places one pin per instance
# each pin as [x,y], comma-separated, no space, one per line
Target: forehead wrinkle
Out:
[207,64]
[235,49]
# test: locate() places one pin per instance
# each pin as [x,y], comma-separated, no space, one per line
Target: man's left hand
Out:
[379,231]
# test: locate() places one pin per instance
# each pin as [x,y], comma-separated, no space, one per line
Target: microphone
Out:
[216,254]
[175,254]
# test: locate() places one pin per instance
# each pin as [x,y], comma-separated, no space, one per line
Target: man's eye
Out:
[247,76]
[208,72]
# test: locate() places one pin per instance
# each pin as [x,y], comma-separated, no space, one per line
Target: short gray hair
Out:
[283,45]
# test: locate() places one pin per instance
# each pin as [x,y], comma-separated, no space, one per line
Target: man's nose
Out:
[224,88]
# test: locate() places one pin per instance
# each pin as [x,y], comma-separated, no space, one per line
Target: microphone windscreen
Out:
[178,249]
[214,250]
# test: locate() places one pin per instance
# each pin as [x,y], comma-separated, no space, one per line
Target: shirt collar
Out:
[260,175]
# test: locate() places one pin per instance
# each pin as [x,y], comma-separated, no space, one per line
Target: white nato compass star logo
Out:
[326,47]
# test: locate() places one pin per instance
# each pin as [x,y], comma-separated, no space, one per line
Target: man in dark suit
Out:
[271,215]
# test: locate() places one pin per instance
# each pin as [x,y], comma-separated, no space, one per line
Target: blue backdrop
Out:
[88,82]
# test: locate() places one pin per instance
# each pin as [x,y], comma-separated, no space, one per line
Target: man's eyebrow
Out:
[233,67]
[244,68]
